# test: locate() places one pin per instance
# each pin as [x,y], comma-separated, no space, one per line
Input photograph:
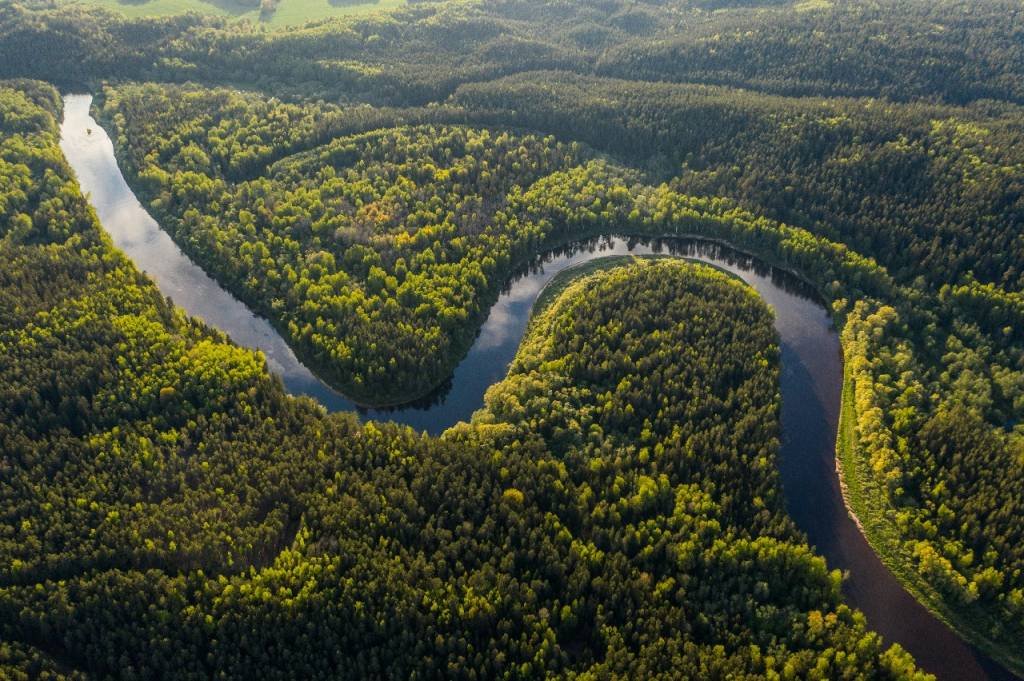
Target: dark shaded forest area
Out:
[369,184]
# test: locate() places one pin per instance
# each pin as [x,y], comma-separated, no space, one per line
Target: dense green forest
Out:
[903,183]
[931,352]
[956,51]
[168,512]
[369,184]
[375,253]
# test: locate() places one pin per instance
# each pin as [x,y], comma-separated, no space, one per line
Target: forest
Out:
[170,513]
[369,184]
[954,51]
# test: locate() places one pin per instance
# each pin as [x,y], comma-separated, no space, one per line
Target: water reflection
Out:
[810,381]
[499,337]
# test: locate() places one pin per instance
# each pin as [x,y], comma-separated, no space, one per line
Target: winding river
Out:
[811,378]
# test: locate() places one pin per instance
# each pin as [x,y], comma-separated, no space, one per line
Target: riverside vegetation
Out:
[375,180]
[170,513]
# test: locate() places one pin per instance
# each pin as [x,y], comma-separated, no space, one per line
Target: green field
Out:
[289,12]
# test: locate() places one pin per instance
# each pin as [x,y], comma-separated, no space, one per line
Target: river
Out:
[811,378]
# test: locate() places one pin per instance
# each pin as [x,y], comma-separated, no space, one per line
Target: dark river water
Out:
[811,378]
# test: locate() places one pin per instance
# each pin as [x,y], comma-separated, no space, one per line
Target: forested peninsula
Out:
[369,183]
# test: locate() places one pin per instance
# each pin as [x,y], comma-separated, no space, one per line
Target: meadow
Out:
[288,12]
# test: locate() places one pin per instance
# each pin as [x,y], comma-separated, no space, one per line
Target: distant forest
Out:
[369,184]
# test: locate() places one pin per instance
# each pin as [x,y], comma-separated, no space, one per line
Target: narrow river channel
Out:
[811,378]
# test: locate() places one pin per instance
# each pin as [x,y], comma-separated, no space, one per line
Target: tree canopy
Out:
[170,513]
[369,184]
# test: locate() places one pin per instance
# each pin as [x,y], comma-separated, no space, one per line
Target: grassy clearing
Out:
[563,279]
[289,12]
[810,5]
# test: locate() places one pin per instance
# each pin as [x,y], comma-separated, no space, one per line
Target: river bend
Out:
[811,378]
